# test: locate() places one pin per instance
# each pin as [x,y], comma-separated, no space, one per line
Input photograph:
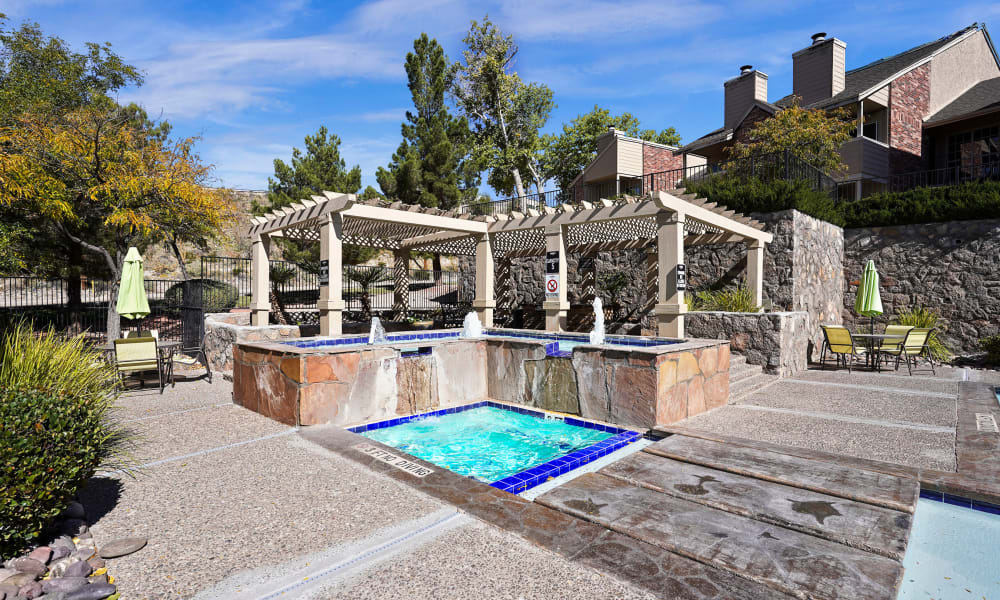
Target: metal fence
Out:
[981,170]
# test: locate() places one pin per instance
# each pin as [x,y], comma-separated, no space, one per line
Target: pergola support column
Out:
[331,298]
[755,270]
[260,276]
[484,302]
[670,306]
[401,287]
[557,308]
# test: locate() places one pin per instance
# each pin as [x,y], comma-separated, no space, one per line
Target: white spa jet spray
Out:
[597,335]
[377,334]
[471,327]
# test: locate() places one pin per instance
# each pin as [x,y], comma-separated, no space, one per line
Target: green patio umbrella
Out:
[869,302]
[132,303]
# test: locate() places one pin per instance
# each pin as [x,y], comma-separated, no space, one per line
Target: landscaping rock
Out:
[94,591]
[42,554]
[102,578]
[121,547]
[30,590]
[96,562]
[64,541]
[8,590]
[59,552]
[84,553]
[29,565]
[75,510]
[5,573]
[79,569]
[57,568]
[64,584]
[73,526]
[20,579]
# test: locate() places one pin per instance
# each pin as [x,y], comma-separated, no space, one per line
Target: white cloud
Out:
[570,18]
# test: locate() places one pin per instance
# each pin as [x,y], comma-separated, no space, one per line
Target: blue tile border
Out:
[539,474]
[960,501]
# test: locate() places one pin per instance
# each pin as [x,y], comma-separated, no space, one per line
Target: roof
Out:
[984,97]
[862,79]
[712,137]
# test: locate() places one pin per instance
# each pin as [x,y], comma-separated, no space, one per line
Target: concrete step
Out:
[743,388]
[740,372]
[737,359]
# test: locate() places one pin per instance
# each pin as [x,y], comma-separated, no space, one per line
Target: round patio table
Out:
[869,340]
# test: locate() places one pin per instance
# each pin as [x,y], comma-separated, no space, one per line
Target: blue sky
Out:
[253,78]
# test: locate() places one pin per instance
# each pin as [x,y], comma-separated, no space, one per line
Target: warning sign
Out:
[552,287]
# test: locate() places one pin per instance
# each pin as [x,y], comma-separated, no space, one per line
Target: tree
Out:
[429,167]
[106,180]
[320,168]
[505,113]
[366,278]
[279,275]
[568,153]
[813,135]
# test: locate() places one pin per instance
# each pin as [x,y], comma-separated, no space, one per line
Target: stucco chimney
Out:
[741,92]
[818,69]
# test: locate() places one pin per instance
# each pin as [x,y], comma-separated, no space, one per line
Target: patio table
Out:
[869,339]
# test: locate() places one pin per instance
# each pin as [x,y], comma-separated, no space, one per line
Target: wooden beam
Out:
[673,204]
[646,208]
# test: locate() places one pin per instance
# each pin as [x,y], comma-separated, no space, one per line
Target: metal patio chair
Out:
[138,355]
[839,342]
[914,346]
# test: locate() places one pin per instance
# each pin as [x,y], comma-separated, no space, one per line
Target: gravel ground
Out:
[143,403]
[886,380]
[890,444]
[866,404]
[478,561]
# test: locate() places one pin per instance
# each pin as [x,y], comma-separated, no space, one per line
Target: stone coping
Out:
[978,453]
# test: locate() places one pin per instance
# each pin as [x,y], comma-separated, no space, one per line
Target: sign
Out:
[324,272]
[682,278]
[403,464]
[552,262]
[552,287]
[986,422]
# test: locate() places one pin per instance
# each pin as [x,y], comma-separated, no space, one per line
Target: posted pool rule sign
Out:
[324,272]
[682,278]
[552,275]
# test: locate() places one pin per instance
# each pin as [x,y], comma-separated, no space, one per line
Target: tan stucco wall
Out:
[959,68]
[629,157]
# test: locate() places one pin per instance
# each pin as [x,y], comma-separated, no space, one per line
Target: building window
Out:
[975,153]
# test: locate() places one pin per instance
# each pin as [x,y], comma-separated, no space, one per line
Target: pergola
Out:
[666,221]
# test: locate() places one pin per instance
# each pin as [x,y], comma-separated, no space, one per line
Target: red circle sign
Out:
[552,285]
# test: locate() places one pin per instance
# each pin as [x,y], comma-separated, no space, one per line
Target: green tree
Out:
[813,135]
[504,112]
[568,153]
[320,167]
[429,166]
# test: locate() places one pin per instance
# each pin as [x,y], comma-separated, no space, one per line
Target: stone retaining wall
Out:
[777,341]
[224,330]
[953,268]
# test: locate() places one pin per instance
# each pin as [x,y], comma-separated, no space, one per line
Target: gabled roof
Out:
[722,134]
[982,98]
[882,71]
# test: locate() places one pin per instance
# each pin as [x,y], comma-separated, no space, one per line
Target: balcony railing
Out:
[985,169]
[768,167]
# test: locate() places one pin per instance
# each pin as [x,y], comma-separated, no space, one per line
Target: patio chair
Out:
[190,357]
[138,355]
[914,346]
[838,341]
[886,346]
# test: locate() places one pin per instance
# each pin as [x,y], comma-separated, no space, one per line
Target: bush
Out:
[732,299]
[55,432]
[751,194]
[991,345]
[216,296]
[923,318]
[973,200]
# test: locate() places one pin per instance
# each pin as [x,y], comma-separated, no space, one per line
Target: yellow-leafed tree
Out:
[108,178]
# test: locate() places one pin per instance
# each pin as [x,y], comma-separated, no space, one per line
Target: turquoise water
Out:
[487,443]
[952,554]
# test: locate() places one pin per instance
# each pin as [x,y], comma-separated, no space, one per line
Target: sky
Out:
[253,78]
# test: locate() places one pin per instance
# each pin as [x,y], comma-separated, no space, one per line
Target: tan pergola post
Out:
[484,302]
[260,280]
[556,309]
[755,270]
[401,284]
[331,299]
[670,306]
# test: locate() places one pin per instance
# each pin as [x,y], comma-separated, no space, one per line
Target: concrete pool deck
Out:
[233,502]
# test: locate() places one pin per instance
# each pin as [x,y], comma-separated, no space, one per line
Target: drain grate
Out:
[986,422]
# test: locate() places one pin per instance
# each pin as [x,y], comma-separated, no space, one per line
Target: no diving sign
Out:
[552,286]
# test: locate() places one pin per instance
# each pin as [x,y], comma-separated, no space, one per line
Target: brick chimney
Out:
[818,70]
[741,92]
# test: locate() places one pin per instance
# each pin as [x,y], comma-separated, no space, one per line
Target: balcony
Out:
[866,157]
[983,169]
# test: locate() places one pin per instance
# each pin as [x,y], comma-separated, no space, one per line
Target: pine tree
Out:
[430,166]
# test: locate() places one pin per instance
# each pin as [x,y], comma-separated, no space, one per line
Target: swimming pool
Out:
[510,448]
[952,552]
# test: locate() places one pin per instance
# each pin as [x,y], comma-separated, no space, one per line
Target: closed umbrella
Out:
[869,302]
[132,303]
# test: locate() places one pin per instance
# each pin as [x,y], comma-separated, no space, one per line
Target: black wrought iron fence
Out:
[537,201]
[981,170]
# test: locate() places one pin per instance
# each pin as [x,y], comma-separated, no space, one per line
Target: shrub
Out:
[731,299]
[55,430]
[216,296]
[924,318]
[973,200]
[751,194]
[991,345]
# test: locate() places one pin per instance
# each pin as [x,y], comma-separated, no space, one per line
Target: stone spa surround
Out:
[639,387]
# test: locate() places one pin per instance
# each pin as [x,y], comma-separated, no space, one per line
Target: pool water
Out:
[952,553]
[487,443]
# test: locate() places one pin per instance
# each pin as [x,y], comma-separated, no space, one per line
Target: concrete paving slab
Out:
[910,447]
[144,403]
[859,525]
[185,433]
[947,385]
[865,404]
[479,561]
[213,515]
[785,560]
